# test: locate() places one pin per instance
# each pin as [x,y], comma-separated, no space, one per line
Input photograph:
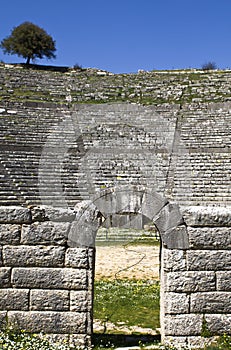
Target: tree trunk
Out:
[28,60]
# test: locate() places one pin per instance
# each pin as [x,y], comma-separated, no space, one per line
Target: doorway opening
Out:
[126,285]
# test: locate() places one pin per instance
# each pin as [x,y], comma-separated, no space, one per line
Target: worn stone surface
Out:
[176,303]
[5,274]
[47,213]
[190,281]
[200,342]
[173,260]
[33,256]
[183,325]
[211,302]
[10,234]
[13,299]
[207,216]
[209,260]
[224,281]
[152,203]
[118,200]
[219,324]
[80,301]
[84,228]
[193,342]
[49,278]
[76,257]
[49,300]
[168,218]
[15,215]
[176,238]
[210,238]
[51,233]
[49,322]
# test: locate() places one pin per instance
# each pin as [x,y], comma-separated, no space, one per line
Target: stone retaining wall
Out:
[45,285]
[46,282]
[196,285]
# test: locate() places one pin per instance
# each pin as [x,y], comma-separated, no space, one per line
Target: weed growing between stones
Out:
[14,339]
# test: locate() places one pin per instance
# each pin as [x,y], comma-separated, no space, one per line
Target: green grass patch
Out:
[131,302]
[141,241]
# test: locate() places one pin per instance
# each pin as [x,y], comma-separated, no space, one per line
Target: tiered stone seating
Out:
[56,153]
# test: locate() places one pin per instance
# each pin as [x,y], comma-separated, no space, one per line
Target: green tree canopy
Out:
[29,41]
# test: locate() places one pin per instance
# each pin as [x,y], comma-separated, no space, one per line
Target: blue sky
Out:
[123,36]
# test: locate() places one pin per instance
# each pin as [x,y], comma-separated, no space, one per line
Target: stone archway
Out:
[131,199]
[123,200]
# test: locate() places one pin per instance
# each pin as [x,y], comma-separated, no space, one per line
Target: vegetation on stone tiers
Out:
[70,86]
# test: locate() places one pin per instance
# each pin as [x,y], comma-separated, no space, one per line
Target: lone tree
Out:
[29,41]
[209,66]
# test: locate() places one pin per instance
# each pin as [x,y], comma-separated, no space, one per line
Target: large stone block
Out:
[190,281]
[77,257]
[49,300]
[176,303]
[173,260]
[47,213]
[79,301]
[180,325]
[209,237]
[12,299]
[213,260]
[152,203]
[49,321]
[175,342]
[168,218]
[15,215]
[5,274]
[207,216]
[224,281]
[211,302]
[219,324]
[83,230]
[33,256]
[49,278]
[188,342]
[176,238]
[46,233]
[200,342]
[118,200]
[10,234]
